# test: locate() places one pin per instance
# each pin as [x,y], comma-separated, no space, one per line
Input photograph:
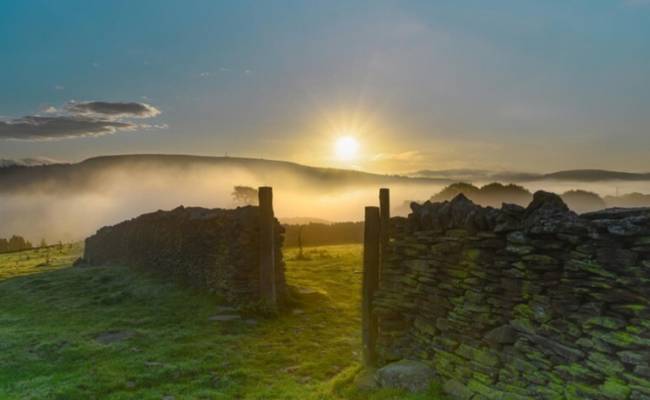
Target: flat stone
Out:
[413,376]
[551,346]
[366,380]
[457,390]
[501,335]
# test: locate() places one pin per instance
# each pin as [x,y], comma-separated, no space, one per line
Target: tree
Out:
[43,243]
[14,243]
[245,195]
[582,201]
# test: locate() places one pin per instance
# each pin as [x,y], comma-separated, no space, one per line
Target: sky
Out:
[502,85]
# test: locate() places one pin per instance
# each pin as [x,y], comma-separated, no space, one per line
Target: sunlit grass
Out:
[54,321]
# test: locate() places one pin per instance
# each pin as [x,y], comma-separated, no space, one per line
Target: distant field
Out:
[112,333]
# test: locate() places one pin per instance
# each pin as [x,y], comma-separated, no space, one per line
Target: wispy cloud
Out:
[27,162]
[78,119]
[113,109]
[36,128]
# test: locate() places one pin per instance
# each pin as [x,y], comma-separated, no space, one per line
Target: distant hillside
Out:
[77,176]
[42,175]
[594,175]
[628,200]
[578,175]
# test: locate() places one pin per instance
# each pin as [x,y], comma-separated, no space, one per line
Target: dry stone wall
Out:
[213,249]
[520,303]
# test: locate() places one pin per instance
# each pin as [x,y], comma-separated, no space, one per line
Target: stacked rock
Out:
[518,303]
[213,249]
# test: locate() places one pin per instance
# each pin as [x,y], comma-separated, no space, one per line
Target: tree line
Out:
[14,243]
[494,194]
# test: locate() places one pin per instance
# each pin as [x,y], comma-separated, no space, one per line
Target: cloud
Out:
[113,109]
[36,128]
[27,162]
[78,119]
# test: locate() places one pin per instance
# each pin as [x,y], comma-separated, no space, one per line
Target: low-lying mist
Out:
[122,193]
[62,211]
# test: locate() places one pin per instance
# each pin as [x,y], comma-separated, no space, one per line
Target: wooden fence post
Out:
[267,247]
[370,283]
[384,216]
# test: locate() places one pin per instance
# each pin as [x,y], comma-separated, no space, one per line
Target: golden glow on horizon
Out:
[346,148]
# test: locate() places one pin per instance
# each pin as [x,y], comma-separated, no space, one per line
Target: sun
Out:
[346,148]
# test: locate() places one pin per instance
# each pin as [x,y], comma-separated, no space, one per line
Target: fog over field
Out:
[56,208]
[73,215]
[71,201]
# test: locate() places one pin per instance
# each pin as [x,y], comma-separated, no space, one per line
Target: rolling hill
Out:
[77,176]
[575,175]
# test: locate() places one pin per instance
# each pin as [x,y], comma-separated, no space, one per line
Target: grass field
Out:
[113,333]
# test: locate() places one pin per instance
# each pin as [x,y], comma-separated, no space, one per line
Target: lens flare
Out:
[346,148]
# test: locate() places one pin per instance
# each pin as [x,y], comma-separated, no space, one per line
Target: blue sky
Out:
[525,85]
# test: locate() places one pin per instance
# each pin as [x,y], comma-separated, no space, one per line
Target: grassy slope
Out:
[52,316]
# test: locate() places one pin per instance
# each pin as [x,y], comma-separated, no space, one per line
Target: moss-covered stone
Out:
[575,371]
[605,322]
[622,339]
[580,391]
[457,390]
[614,389]
[484,390]
[604,364]
[571,297]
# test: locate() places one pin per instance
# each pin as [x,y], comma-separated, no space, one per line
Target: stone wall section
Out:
[520,303]
[213,249]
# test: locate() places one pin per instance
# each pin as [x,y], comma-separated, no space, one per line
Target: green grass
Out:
[53,317]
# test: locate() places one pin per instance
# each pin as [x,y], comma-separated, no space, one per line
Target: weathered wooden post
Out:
[370,283]
[384,216]
[267,247]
